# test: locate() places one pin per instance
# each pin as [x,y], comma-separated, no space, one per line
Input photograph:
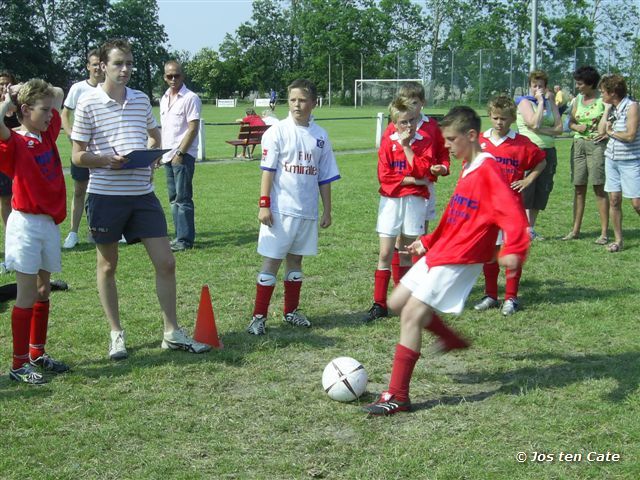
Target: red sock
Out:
[380,287]
[20,328]
[403,362]
[512,284]
[395,267]
[491,272]
[39,324]
[404,270]
[291,295]
[263,298]
[450,339]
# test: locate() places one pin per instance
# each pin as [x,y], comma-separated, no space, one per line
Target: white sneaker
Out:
[178,340]
[117,350]
[122,239]
[71,240]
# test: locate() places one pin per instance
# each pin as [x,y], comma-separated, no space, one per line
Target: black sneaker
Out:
[387,405]
[45,362]
[26,374]
[376,311]
[59,285]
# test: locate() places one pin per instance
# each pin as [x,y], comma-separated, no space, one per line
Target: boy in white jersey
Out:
[297,165]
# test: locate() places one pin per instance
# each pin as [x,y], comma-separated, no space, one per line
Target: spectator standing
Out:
[180,111]
[561,99]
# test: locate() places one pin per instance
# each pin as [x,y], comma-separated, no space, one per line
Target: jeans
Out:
[180,187]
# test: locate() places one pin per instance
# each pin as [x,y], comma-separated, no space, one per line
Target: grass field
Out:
[560,376]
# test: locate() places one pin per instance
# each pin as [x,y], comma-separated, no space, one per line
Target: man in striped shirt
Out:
[111,121]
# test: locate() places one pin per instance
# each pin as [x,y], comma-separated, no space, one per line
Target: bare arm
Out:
[532,118]
[155,140]
[520,185]
[264,215]
[82,158]
[5,106]
[629,134]
[325,195]
[67,125]
[187,140]
[58,98]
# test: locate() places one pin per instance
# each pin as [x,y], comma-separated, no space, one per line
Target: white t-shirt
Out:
[75,92]
[302,159]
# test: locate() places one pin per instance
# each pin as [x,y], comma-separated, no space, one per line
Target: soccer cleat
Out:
[71,240]
[257,325]
[59,285]
[45,362]
[117,350]
[178,340]
[486,303]
[387,405]
[376,311]
[26,374]
[297,319]
[510,306]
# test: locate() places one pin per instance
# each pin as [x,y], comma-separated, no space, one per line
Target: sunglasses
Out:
[173,77]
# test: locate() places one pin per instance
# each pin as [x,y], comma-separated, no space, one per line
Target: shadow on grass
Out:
[558,292]
[10,390]
[210,239]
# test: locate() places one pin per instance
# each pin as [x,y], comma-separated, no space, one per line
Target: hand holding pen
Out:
[116,161]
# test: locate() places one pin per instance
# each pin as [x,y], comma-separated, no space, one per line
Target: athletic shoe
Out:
[485,304]
[257,325]
[376,311]
[387,405]
[297,319]
[122,239]
[510,306]
[533,235]
[180,247]
[26,374]
[59,285]
[71,240]
[117,350]
[178,340]
[45,362]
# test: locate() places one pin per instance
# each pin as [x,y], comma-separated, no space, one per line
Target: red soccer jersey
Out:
[253,120]
[393,166]
[36,170]
[430,130]
[515,154]
[481,204]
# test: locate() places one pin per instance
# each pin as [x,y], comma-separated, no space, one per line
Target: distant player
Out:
[515,155]
[30,157]
[297,165]
[404,162]
[273,98]
[79,175]
[463,241]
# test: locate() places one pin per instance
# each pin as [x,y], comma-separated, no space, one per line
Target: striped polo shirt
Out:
[108,127]
[617,150]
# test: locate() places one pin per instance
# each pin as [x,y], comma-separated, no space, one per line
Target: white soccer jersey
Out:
[302,159]
[75,92]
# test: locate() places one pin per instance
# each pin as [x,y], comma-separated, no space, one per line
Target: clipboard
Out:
[143,158]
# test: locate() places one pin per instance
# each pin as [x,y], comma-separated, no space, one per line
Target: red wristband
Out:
[265,202]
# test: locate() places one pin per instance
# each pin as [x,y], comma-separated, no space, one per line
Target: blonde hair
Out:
[402,105]
[32,91]
[503,103]
[412,90]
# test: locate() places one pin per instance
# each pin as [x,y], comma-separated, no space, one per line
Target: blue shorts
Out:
[623,176]
[134,216]
[79,174]
[5,186]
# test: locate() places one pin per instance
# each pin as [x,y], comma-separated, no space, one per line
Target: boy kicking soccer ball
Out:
[482,204]
[515,155]
[30,157]
[297,165]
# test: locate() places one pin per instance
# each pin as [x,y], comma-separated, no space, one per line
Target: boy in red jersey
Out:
[30,157]
[403,165]
[455,251]
[515,154]
[429,129]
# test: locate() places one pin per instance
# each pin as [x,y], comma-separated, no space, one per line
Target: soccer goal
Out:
[378,91]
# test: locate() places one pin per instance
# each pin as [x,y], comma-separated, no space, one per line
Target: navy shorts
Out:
[5,186]
[79,174]
[134,216]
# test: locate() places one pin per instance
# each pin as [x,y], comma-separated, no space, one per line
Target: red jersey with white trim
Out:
[393,166]
[430,130]
[514,153]
[481,205]
[36,170]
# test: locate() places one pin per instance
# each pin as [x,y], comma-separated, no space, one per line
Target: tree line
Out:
[301,38]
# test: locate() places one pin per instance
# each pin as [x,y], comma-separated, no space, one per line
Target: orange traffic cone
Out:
[206,331]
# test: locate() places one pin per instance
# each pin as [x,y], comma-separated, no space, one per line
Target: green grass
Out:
[560,376]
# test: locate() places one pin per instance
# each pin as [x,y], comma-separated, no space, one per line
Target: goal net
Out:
[378,91]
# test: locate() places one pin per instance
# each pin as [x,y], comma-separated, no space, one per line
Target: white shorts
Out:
[430,202]
[32,243]
[404,215]
[444,288]
[288,234]
[622,176]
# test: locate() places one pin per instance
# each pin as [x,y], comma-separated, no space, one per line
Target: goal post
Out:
[382,89]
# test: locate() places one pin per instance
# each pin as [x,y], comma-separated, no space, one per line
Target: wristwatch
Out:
[180,153]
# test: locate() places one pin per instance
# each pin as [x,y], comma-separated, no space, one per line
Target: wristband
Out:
[265,202]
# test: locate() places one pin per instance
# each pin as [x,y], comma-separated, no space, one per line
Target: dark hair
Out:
[250,111]
[461,119]
[503,103]
[7,73]
[614,84]
[412,90]
[114,43]
[306,86]
[94,52]
[588,75]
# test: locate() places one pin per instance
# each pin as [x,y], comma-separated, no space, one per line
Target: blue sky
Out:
[195,24]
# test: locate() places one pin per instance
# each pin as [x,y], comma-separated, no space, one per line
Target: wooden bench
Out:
[248,136]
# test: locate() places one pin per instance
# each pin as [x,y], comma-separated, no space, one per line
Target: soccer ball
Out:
[344,379]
